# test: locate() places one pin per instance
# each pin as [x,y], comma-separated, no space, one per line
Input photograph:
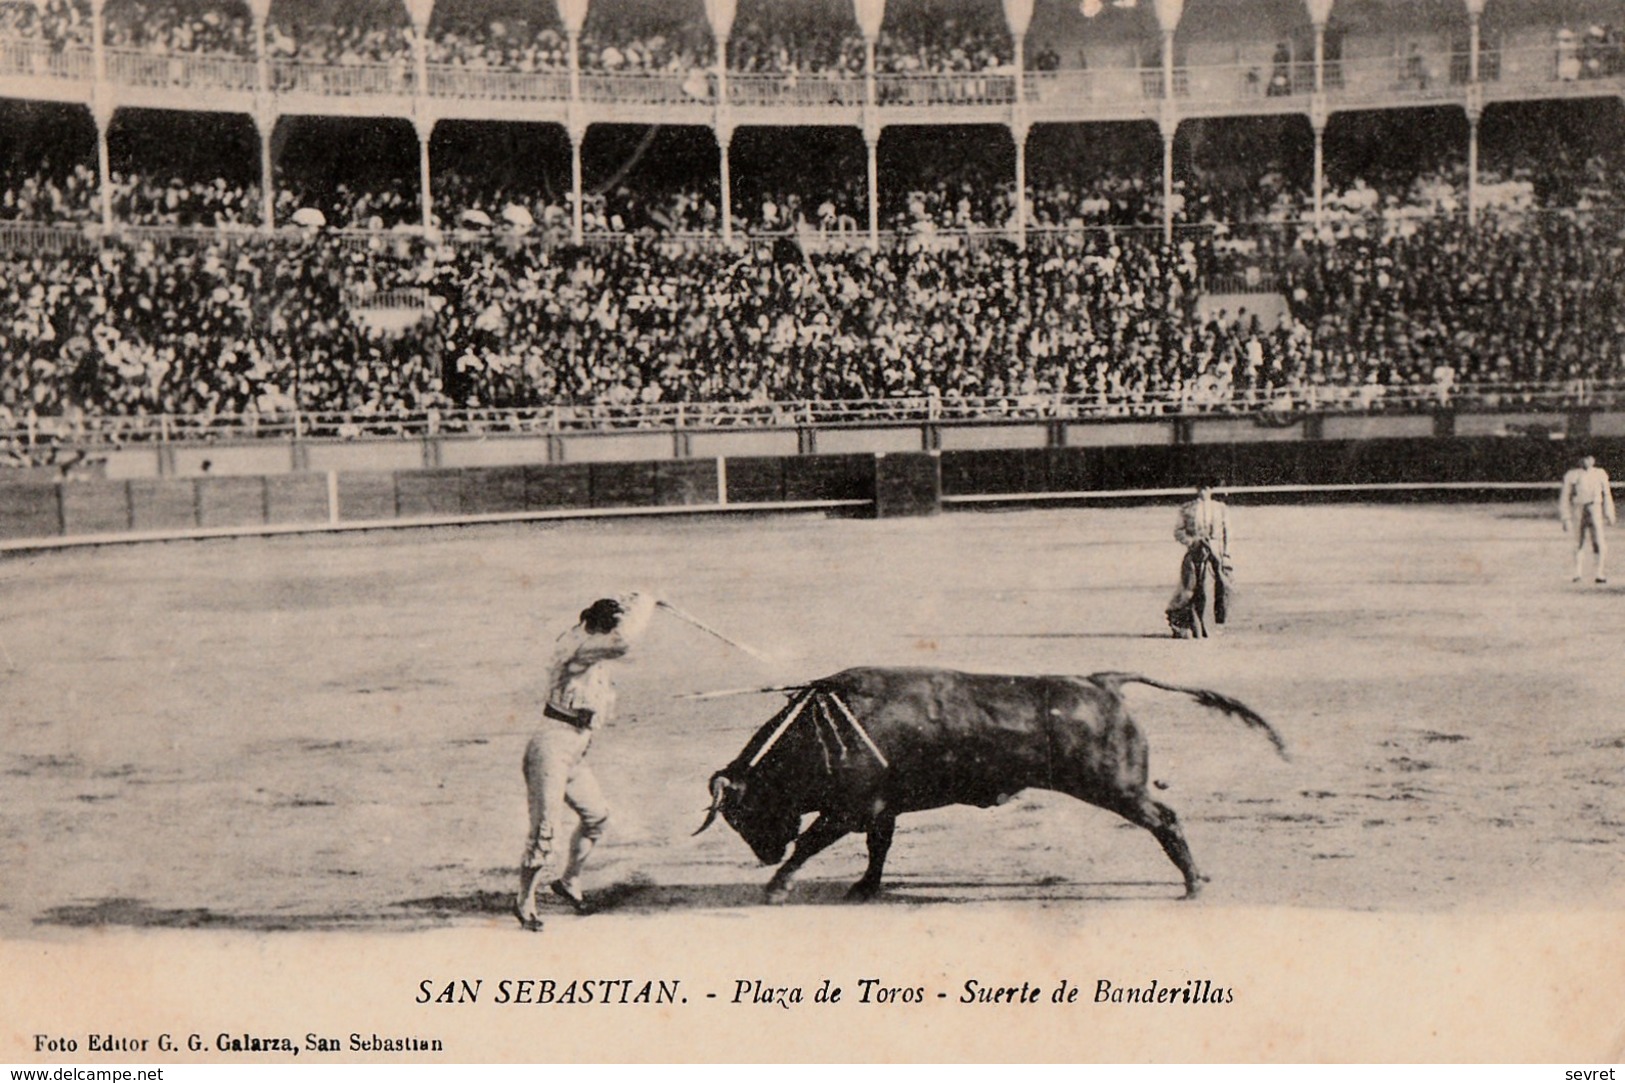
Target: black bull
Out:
[863,746]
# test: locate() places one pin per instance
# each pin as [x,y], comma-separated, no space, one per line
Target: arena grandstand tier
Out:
[763,211]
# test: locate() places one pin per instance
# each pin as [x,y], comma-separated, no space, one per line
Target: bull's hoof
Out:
[775,895]
[1194,888]
[528,920]
[862,891]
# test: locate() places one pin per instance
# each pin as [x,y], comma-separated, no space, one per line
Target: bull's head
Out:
[768,825]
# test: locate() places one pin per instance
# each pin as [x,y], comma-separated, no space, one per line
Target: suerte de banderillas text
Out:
[633,992]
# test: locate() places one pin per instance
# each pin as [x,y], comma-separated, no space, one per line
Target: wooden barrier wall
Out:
[893,483]
[265,456]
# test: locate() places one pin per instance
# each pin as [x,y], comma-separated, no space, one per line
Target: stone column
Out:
[424,126]
[573,40]
[101,110]
[1019,131]
[1475,15]
[719,15]
[1320,12]
[265,123]
[578,133]
[422,121]
[725,138]
[98,37]
[1170,126]
[1475,105]
[869,93]
[261,11]
[1018,16]
[1474,112]
[870,15]
[420,11]
[1317,121]
[1169,13]
[1320,176]
[573,14]
[265,115]
[871,144]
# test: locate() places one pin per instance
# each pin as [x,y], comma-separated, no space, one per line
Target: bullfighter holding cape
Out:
[1204,531]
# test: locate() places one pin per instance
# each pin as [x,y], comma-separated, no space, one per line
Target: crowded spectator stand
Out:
[971,295]
[877,63]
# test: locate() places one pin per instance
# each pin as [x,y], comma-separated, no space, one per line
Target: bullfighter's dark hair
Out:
[601,617]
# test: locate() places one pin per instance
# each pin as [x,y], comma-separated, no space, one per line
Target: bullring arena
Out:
[348,351]
[298,735]
[295,734]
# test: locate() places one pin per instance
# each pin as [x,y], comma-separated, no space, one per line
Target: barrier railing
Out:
[1285,405]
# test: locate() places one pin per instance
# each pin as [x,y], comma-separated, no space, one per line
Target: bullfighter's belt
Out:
[581,719]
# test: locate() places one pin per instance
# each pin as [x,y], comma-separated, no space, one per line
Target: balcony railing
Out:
[1250,250]
[1074,87]
[971,88]
[134,68]
[392,79]
[795,91]
[38,239]
[38,59]
[647,88]
[1348,83]
[496,85]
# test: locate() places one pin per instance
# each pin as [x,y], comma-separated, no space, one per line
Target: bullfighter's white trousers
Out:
[556,776]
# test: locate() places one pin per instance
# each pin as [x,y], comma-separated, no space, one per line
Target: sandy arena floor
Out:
[324,732]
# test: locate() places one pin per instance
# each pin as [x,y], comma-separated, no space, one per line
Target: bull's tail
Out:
[1114,682]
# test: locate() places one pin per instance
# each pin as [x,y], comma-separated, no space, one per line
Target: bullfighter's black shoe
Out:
[574,898]
[528,922]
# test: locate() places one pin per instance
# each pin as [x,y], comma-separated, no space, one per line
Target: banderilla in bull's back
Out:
[861,747]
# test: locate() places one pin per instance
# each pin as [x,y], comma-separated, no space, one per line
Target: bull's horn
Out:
[719,788]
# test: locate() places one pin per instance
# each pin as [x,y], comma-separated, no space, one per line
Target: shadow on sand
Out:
[1053,635]
[633,896]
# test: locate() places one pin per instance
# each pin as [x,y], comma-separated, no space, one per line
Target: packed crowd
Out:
[254,325]
[815,40]
[1392,292]
[947,203]
[962,185]
[181,26]
[1596,53]
[142,200]
[373,35]
[61,23]
[1538,302]
[925,36]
